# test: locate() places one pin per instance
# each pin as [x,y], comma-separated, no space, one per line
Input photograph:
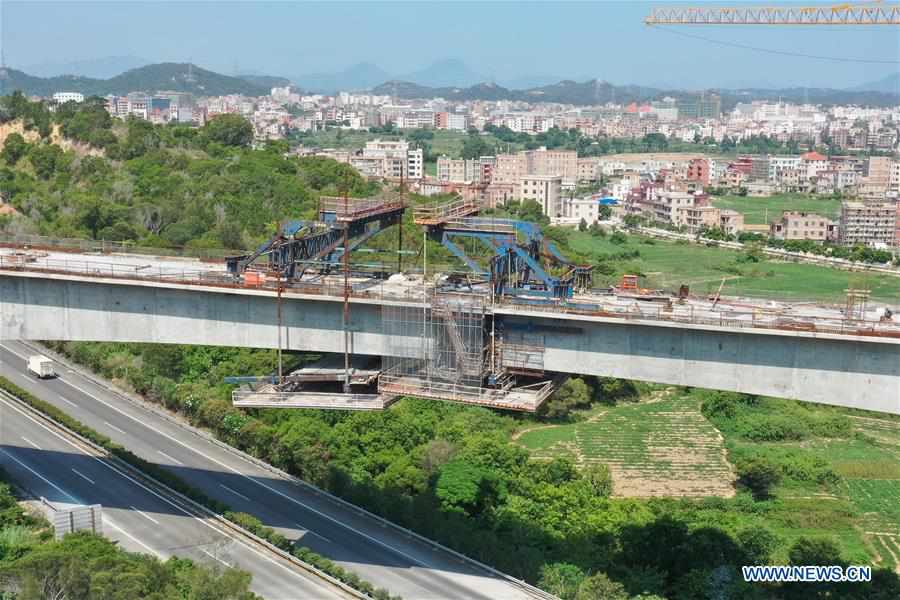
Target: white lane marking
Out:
[106,521]
[311,532]
[338,522]
[259,553]
[236,493]
[25,377]
[214,557]
[32,443]
[64,399]
[143,514]
[111,426]
[83,476]
[177,462]
[42,478]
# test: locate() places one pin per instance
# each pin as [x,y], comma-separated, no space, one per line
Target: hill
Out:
[266,81]
[178,77]
[595,92]
[357,77]
[888,85]
[97,68]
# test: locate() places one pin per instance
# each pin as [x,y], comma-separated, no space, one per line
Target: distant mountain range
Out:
[95,68]
[888,85]
[178,77]
[450,72]
[596,92]
[183,77]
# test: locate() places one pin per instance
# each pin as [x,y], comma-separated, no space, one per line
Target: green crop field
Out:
[666,265]
[661,447]
[765,210]
[839,481]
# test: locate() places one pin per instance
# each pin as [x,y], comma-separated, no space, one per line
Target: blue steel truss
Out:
[518,248]
[299,245]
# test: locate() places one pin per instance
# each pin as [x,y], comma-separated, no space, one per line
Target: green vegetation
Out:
[662,446]
[159,186]
[455,474]
[666,265]
[83,566]
[758,210]
[834,473]
[179,77]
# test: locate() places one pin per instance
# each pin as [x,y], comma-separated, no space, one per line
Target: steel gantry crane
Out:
[870,13]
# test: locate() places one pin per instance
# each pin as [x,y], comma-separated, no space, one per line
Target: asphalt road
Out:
[49,465]
[382,555]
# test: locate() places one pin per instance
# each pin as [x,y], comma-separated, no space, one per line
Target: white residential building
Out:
[63,97]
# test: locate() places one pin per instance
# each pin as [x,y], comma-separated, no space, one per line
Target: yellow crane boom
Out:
[875,13]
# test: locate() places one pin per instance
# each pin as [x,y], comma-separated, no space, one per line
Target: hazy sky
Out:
[504,40]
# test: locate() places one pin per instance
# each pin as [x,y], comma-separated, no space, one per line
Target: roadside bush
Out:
[759,476]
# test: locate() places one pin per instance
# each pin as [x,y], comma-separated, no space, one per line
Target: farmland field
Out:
[666,265]
[661,447]
[765,210]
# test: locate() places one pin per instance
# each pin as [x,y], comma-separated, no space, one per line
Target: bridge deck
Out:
[744,313]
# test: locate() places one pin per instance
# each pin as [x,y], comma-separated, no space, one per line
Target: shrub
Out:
[758,475]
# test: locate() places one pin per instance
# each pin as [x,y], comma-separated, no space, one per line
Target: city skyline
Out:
[509,43]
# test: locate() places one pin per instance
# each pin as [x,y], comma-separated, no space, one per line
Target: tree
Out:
[474,146]
[582,225]
[462,486]
[600,479]
[229,130]
[601,587]
[758,475]
[574,393]
[605,212]
[14,148]
[561,579]
[758,544]
[44,158]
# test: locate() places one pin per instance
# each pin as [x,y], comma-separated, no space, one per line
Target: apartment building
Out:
[870,224]
[665,205]
[812,163]
[698,170]
[698,217]
[63,97]
[878,171]
[795,225]
[546,190]
[779,164]
[396,159]
[894,180]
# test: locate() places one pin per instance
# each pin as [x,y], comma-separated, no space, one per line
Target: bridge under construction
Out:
[501,331]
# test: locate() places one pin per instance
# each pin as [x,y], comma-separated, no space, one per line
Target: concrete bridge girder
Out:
[841,370]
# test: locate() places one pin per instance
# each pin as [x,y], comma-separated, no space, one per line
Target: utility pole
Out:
[345,258]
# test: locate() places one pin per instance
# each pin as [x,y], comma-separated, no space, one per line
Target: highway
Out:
[382,555]
[50,465]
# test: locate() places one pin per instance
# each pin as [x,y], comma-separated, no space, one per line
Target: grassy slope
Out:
[668,264]
[862,510]
[756,210]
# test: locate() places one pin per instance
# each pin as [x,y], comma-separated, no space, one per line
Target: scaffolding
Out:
[438,351]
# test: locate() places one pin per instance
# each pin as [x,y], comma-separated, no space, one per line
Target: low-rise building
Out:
[795,225]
